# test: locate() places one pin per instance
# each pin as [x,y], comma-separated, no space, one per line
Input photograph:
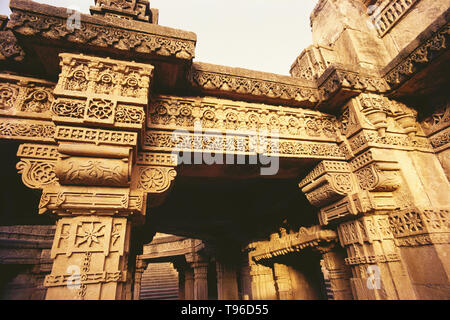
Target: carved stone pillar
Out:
[189,284]
[89,178]
[263,284]
[283,281]
[339,273]
[200,280]
[227,288]
[391,172]
[141,266]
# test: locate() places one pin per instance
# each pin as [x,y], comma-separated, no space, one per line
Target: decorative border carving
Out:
[236,144]
[28,130]
[103,36]
[210,80]
[169,112]
[424,54]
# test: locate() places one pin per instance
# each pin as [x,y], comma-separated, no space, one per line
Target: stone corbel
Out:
[154,174]
[37,165]
[329,187]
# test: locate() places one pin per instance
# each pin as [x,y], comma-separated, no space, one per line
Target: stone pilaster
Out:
[141,266]
[189,284]
[200,280]
[90,179]
[339,273]
[227,288]
[283,281]
[263,284]
[390,167]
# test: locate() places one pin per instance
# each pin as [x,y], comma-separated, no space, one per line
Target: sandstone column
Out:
[227,287]
[94,180]
[189,284]
[388,202]
[141,266]
[200,280]
[283,281]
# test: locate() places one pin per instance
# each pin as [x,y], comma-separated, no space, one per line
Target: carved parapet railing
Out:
[50,24]
[229,127]
[389,13]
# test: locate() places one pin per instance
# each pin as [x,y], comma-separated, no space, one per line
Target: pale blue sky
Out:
[264,35]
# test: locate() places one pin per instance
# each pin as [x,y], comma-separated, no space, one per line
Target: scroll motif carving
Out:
[27,95]
[156,179]
[37,174]
[26,129]
[9,48]
[210,80]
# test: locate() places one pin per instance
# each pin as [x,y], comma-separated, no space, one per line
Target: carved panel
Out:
[155,179]
[93,171]
[413,227]
[218,114]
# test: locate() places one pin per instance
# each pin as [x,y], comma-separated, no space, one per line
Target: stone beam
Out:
[99,32]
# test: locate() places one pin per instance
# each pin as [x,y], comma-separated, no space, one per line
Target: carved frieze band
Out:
[210,80]
[168,112]
[314,237]
[239,144]
[437,127]
[426,52]
[55,28]
[337,79]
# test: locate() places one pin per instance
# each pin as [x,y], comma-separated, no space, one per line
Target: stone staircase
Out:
[159,282]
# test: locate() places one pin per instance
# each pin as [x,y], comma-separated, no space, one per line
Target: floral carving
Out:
[100,109]
[155,179]
[93,171]
[8,95]
[37,174]
[68,108]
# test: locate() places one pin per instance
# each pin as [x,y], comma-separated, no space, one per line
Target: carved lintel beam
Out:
[313,237]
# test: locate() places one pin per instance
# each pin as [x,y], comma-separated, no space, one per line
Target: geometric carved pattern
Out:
[89,234]
[414,227]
